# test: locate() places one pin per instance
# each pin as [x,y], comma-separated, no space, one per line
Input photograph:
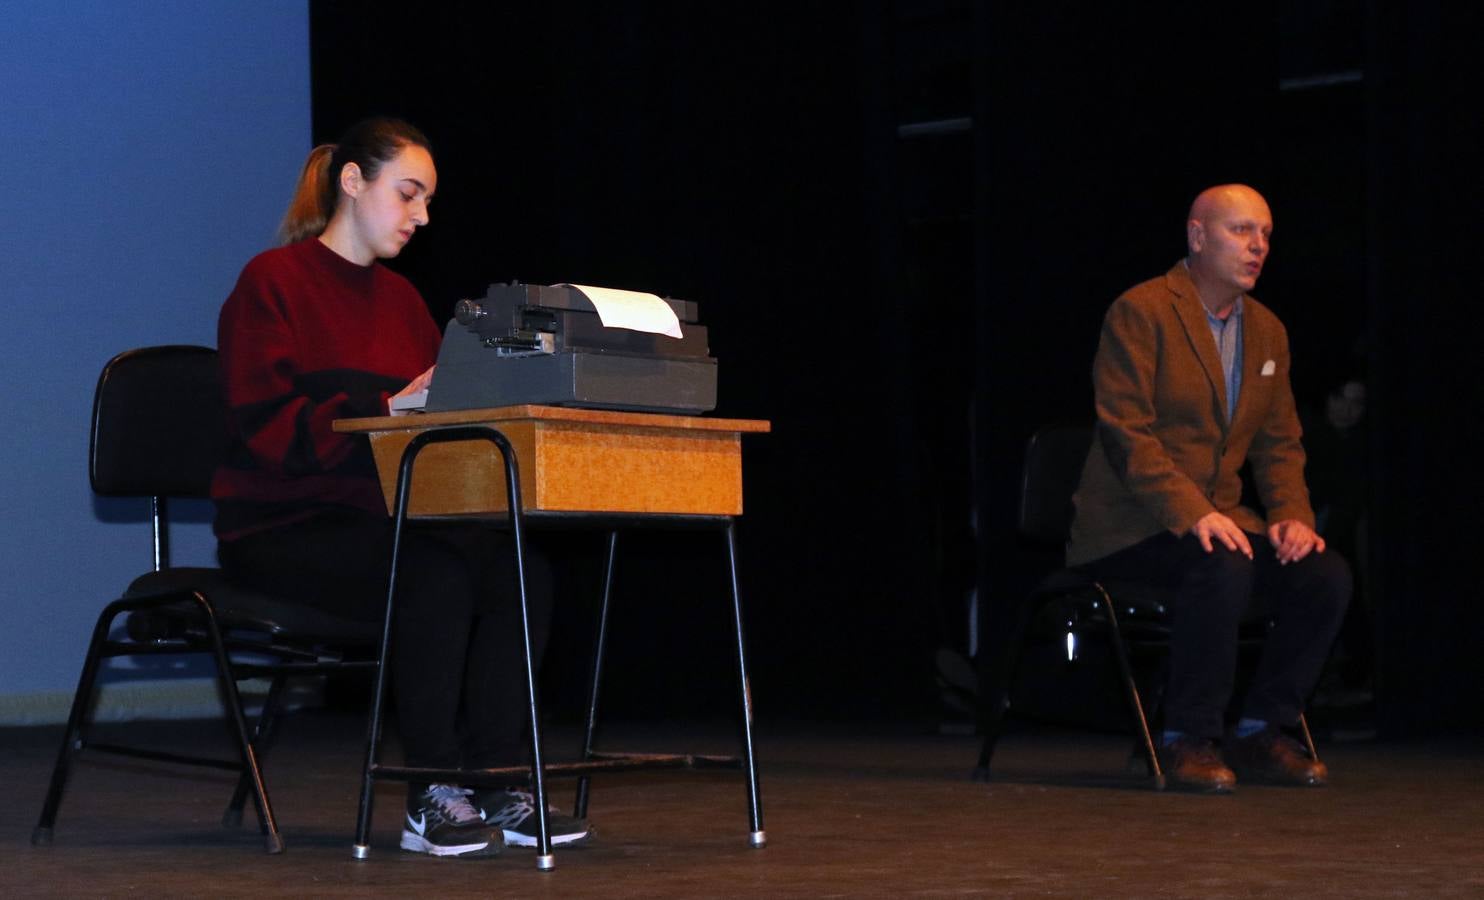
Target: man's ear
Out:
[351,181]
[1195,233]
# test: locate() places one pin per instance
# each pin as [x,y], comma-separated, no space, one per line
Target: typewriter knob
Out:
[468,312]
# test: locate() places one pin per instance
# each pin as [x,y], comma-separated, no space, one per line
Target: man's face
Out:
[1229,242]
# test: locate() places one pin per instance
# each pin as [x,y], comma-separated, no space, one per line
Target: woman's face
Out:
[385,212]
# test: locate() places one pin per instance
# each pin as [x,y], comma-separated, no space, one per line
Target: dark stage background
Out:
[903,222]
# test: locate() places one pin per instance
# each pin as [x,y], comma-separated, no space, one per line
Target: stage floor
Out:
[850,811]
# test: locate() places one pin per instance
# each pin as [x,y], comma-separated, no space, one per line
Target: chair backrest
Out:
[159,423]
[1053,465]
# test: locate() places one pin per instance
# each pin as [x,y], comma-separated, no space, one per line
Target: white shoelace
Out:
[514,811]
[453,803]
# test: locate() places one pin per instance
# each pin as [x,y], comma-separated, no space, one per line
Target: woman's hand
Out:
[420,383]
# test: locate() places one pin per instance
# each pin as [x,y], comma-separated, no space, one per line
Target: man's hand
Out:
[1294,540]
[1214,525]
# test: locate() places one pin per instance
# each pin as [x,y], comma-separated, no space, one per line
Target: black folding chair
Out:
[158,431]
[1133,616]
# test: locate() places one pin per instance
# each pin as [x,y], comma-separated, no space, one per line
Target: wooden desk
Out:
[574,464]
[572,460]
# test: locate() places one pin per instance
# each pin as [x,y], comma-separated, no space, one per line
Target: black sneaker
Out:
[442,822]
[514,813]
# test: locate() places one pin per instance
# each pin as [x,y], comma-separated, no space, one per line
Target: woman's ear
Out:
[350,179]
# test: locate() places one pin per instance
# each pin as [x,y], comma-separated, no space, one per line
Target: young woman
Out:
[317,330]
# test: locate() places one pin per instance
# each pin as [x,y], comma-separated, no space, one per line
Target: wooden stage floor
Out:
[851,811]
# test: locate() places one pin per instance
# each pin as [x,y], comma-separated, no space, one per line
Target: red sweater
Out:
[307,337]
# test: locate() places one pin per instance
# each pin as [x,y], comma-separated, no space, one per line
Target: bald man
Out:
[1191,382]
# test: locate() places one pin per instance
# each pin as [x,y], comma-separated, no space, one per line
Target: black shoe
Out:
[442,822]
[1193,764]
[514,814]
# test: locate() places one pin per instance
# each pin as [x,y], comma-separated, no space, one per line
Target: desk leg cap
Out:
[546,862]
[758,839]
[360,851]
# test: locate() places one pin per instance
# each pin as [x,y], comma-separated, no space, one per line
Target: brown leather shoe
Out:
[1272,757]
[1192,764]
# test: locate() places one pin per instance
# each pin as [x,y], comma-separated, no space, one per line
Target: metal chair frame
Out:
[197,627]
[1080,591]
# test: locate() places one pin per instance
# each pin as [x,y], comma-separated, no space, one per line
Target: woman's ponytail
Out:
[313,204]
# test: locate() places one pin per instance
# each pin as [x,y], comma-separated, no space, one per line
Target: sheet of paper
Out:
[632,310]
[401,406]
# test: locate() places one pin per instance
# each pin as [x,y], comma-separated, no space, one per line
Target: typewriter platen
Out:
[547,345]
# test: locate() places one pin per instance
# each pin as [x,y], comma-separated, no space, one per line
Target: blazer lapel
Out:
[1192,315]
[1255,355]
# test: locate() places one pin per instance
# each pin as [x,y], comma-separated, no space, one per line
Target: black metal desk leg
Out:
[579,805]
[361,849]
[757,837]
[545,860]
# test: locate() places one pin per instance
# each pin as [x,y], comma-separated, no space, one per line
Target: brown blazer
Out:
[1162,454]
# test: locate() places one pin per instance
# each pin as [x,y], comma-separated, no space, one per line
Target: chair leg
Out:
[1153,696]
[579,805]
[77,720]
[273,841]
[262,734]
[757,836]
[1303,724]
[994,725]
[995,688]
[1136,706]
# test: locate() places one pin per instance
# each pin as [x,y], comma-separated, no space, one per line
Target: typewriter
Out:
[547,344]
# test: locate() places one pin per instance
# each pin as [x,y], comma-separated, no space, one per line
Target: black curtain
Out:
[747,158]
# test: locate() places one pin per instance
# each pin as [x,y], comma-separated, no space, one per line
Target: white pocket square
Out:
[1269,367]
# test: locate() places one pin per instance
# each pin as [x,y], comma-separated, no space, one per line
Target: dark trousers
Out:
[457,665]
[1214,594]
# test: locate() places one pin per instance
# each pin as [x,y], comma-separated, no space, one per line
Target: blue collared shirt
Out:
[1228,335]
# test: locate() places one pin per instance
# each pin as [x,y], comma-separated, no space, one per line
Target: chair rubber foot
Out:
[757,839]
[360,851]
[545,861]
[273,843]
[41,837]
[980,774]
[1159,783]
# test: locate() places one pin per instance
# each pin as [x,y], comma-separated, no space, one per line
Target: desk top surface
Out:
[418,421]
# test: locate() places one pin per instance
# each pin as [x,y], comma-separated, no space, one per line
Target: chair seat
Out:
[238,608]
[1143,609]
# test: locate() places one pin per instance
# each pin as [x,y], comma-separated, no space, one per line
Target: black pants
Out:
[456,635]
[1214,594]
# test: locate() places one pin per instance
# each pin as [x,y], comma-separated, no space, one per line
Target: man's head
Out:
[1227,234]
